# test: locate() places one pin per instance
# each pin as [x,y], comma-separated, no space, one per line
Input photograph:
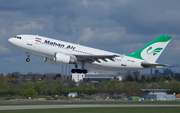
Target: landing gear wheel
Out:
[73,71]
[79,71]
[27,59]
[84,71]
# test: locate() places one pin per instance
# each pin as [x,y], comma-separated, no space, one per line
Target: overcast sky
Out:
[121,26]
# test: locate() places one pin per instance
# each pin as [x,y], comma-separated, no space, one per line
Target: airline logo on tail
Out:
[152,51]
[155,51]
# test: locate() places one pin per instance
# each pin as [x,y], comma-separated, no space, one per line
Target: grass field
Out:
[85,102]
[101,110]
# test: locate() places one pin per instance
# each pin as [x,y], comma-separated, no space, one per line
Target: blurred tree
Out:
[154,85]
[114,86]
[129,78]
[37,89]
[30,93]
[143,79]
[129,90]
[144,85]
[148,80]
[8,75]
[58,90]
[58,81]
[168,77]
[136,78]
[101,87]
[57,76]
[71,84]
[174,86]
[3,81]
[157,78]
[15,74]
[177,77]
[33,78]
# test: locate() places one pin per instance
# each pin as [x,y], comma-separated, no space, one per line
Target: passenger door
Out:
[30,41]
[124,62]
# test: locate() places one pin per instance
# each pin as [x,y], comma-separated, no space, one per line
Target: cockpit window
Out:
[18,37]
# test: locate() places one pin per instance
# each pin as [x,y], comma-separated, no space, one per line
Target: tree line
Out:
[51,84]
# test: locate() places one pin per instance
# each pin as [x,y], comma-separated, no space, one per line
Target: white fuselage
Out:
[47,47]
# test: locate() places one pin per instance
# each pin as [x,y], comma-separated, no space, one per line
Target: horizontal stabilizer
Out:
[150,65]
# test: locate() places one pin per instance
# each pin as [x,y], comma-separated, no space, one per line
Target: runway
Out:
[18,107]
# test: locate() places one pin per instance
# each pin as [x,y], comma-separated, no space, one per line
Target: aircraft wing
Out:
[93,58]
[147,65]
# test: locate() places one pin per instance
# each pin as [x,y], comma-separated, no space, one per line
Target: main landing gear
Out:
[79,70]
[28,59]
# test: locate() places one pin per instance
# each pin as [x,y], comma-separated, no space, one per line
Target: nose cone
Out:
[10,40]
[13,41]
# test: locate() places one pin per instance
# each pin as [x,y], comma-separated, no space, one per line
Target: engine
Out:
[64,59]
[50,60]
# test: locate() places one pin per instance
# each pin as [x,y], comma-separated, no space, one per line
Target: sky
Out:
[120,26]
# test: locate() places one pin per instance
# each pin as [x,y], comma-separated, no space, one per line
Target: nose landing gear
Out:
[28,59]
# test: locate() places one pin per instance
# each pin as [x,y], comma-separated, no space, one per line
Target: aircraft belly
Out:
[111,68]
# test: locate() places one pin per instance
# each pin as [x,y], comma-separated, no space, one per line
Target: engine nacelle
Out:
[50,60]
[64,59]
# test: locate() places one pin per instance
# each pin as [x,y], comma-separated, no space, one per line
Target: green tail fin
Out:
[153,50]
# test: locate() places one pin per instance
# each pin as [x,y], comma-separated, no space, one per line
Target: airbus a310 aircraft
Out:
[56,51]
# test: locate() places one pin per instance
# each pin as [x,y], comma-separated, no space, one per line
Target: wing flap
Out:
[95,57]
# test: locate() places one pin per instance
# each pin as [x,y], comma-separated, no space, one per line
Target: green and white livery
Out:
[153,50]
[57,51]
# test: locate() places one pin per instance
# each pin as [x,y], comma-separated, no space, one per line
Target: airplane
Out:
[56,51]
